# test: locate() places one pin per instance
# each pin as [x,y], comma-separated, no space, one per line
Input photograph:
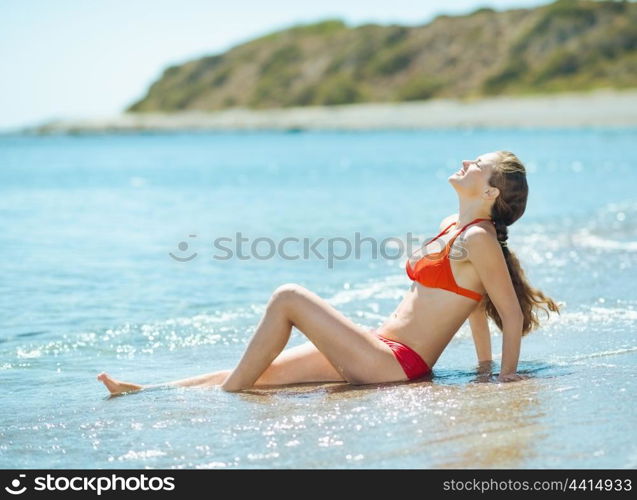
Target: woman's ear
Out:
[491,193]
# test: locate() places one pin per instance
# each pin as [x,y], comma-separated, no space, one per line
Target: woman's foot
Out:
[115,386]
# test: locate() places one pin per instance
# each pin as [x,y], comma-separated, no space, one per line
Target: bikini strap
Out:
[447,228]
[440,234]
[463,228]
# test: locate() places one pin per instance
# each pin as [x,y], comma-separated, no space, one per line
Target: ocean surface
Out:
[118,254]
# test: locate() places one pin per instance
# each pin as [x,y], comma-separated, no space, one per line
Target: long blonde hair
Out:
[509,176]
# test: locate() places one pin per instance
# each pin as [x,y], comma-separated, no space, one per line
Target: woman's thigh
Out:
[356,354]
[301,364]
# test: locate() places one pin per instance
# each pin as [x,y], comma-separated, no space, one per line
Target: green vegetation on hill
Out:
[564,46]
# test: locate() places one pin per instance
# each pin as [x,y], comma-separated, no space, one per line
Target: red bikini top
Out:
[434,270]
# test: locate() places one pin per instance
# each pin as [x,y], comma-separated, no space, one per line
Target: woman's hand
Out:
[511,377]
[485,367]
[484,372]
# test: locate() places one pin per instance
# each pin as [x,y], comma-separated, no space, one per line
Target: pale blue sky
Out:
[63,58]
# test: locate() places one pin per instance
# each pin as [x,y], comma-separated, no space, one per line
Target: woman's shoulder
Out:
[481,232]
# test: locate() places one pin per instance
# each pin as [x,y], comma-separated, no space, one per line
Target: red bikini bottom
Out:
[413,365]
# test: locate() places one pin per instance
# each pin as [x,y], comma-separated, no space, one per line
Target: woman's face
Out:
[473,177]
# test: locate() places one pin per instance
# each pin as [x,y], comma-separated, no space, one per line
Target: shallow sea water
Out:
[88,285]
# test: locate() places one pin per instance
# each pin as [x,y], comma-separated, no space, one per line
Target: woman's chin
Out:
[455,184]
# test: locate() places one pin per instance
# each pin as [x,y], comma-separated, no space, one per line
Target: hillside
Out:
[565,46]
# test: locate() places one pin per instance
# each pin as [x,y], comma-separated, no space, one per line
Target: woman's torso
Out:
[427,318]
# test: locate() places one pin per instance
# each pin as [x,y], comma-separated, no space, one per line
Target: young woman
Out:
[473,277]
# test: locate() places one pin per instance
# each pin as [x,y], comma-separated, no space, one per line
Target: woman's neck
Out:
[471,209]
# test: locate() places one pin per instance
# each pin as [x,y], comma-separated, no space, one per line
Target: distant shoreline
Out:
[598,108]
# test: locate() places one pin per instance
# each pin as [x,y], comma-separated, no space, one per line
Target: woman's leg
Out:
[339,350]
[358,356]
[300,364]
[206,380]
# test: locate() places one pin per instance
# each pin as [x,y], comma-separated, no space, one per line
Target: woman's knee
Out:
[286,294]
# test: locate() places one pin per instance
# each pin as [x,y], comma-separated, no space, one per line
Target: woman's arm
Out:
[485,253]
[481,334]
